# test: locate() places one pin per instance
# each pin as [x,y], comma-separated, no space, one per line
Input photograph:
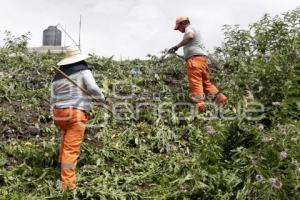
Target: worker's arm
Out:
[188,37]
[92,86]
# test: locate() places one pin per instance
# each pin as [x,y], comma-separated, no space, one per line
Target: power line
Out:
[67,34]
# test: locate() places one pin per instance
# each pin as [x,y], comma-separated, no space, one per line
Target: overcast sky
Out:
[132,28]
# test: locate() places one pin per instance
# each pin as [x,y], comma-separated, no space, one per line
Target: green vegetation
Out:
[251,155]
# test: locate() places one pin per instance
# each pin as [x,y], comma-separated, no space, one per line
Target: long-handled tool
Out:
[179,56]
[162,57]
[167,53]
[82,89]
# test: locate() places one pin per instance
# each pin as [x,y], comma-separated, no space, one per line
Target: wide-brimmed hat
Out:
[73,55]
[179,20]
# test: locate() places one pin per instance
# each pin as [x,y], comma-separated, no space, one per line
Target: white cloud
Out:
[132,28]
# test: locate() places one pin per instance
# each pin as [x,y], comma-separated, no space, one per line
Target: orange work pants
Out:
[72,123]
[199,83]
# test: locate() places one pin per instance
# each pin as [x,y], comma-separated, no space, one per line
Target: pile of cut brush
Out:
[155,146]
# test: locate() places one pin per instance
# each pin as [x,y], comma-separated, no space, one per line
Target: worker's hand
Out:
[105,101]
[99,104]
[99,101]
[173,49]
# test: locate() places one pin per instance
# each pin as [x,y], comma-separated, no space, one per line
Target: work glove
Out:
[173,49]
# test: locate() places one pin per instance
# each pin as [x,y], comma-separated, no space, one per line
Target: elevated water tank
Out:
[52,36]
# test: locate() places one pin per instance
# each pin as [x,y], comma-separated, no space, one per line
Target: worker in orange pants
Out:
[197,65]
[200,85]
[72,123]
[70,105]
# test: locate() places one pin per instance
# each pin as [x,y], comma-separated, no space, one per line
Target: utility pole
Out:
[65,36]
[79,32]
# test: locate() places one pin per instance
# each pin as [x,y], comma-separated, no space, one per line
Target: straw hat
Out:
[73,55]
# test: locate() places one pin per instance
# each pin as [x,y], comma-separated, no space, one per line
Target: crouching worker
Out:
[197,65]
[70,106]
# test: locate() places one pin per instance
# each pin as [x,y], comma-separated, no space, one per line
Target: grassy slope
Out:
[145,157]
[150,157]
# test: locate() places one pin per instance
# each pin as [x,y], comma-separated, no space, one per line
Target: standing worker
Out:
[197,65]
[70,107]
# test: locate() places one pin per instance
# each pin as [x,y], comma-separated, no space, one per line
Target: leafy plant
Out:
[152,149]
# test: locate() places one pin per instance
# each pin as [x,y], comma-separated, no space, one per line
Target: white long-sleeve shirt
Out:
[65,94]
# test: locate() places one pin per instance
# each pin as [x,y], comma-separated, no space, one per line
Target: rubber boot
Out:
[200,106]
[221,99]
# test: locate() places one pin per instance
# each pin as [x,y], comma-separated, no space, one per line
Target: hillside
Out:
[155,146]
